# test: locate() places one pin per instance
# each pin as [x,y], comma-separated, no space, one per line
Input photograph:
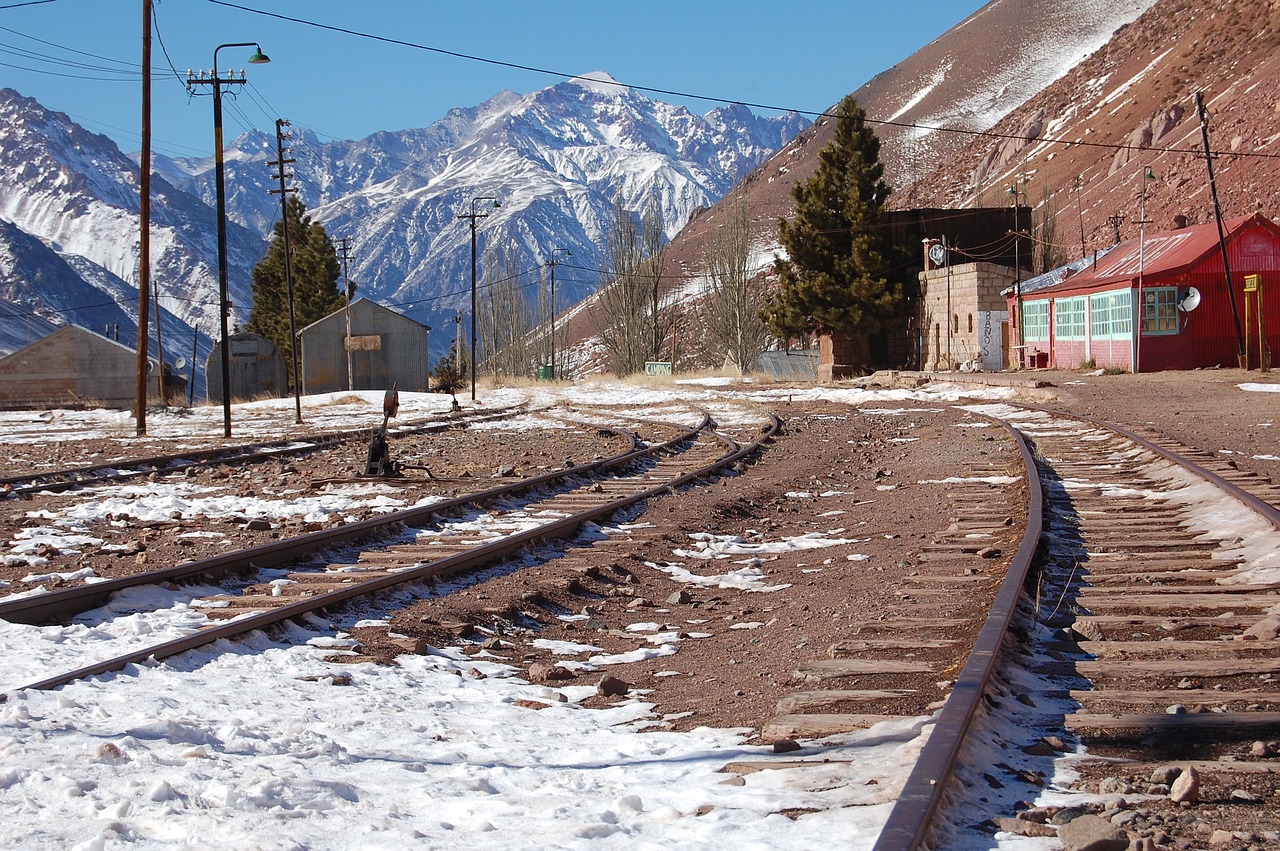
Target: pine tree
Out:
[315,280]
[833,278]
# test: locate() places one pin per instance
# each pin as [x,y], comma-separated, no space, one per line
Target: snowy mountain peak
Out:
[599,82]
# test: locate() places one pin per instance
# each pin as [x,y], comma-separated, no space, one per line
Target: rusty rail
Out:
[483,554]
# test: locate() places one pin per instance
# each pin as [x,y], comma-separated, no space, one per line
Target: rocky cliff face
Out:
[1079,149]
[931,112]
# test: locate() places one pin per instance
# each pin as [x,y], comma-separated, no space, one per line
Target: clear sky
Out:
[83,57]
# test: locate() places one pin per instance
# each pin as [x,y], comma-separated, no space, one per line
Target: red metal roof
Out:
[1163,255]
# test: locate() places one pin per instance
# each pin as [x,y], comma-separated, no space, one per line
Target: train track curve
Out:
[1139,623]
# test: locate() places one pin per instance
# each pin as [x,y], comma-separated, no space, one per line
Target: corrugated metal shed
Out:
[384,348]
[1176,261]
[256,365]
[1178,252]
[71,367]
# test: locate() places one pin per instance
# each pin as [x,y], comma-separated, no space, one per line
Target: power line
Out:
[28,3]
[992,134]
[71,76]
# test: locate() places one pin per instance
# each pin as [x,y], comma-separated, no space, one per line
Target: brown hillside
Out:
[1133,103]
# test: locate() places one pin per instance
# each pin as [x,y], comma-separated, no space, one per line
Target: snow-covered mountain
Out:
[557,159]
[77,192]
[41,290]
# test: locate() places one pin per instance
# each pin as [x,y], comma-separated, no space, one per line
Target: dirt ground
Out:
[869,478]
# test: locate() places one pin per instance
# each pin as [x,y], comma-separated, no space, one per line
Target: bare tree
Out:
[734,295]
[632,328]
[506,318]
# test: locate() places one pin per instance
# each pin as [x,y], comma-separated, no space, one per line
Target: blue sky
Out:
[82,56]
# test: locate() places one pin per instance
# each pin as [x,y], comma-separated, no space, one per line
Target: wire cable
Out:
[992,134]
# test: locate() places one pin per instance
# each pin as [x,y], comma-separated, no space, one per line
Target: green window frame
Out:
[1035,321]
[1159,311]
[1068,318]
[1111,315]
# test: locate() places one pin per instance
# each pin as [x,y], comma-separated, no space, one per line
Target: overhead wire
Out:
[1111,146]
[914,126]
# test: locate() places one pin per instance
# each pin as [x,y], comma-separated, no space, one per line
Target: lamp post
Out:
[473,215]
[1017,277]
[220,191]
[1142,257]
[552,264]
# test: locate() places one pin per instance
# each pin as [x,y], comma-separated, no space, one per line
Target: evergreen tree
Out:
[315,269]
[450,377]
[833,279]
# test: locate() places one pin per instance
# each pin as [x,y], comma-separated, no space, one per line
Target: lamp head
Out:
[1149,175]
[258,57]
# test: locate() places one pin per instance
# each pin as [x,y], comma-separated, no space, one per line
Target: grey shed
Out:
[71,367]
[256,365]
[385,348]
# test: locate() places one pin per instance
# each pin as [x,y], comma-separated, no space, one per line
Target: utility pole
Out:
[552,263]
[1115,221]
[1241,356]
[281,163]
[344,245]
[144,214]
[473,216]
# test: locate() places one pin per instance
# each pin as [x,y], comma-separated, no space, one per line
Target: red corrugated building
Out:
[1187,320]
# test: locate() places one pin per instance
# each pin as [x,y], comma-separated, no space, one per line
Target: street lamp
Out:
[1017,277]
[1147,174]
[258,58]
[552,264]
[473,215]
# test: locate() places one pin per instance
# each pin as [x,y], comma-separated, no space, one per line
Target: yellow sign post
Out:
[1253,285]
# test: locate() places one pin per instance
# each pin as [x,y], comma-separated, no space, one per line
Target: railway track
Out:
[1137,649]
[414,545]
[125,469]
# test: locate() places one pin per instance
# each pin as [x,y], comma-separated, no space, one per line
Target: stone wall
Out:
[963,316]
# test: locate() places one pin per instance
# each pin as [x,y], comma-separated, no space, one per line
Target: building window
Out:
[1160,310]
[1111,315]
[1035,321]
[1068,318]
[970,323]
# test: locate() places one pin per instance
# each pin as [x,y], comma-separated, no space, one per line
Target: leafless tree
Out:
[734,294]
[631,324]
[506,318]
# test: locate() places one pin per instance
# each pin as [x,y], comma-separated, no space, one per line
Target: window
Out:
[1111,315]
[1035,321]
[1068,318]
[970,323]
[1160,310]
